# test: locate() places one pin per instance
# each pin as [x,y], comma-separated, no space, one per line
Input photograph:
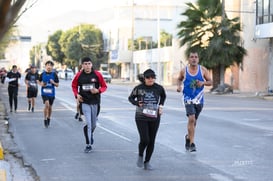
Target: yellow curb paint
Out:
[3,176]
[1,152]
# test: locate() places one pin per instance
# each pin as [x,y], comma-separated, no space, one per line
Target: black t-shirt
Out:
[151,96]
[32,80]
[16,76]
[86,82]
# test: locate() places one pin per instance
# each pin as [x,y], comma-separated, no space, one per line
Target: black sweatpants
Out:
[13,93]
[147,133]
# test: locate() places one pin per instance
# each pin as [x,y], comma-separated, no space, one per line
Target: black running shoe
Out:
[192,147]
[80,119]
[187,142]
[87,149]
[77,115]
[32,109]
[46,123]
[29,106]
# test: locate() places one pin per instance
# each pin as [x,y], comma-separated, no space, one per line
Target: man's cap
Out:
[149,72]
[49,62]
[32,66]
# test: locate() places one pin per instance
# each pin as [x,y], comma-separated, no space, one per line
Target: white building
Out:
[146,21]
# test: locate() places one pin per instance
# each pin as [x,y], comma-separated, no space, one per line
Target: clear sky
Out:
[32,21]
[46,9]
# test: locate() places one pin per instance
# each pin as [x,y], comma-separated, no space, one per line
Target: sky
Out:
[32,21]
[45,9]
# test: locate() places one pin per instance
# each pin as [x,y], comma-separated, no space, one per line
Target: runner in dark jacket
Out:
[149,98]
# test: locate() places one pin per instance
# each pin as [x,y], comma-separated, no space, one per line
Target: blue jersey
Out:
[49,89]
[191,92]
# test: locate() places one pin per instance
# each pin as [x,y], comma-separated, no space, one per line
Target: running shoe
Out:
[147,166]
[48,121]
[187,142]
[140,161]
[32,109]
[77,115]
[192,147]
[80,119]
[88,149]
[45,123]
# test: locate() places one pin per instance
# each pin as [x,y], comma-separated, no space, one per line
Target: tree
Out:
[216,38]
[165,39]
[80,41]
[10,13]
[53,47]
[36,55]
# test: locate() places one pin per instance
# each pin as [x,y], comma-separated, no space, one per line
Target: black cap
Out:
[149,72]
[32,66]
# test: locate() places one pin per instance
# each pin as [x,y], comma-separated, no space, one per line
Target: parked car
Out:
[107,77]
[65,74]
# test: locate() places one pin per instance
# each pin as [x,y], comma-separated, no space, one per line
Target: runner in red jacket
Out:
[87,86]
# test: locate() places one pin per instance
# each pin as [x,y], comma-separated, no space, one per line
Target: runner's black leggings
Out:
[147,132]
[13,93]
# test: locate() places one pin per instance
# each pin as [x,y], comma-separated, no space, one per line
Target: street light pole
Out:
[132,45]
[158,46]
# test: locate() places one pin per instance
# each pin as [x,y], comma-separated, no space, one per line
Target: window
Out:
[264,11]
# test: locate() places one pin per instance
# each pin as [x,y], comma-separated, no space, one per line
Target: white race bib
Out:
[47,91]
[87,87]
[150,112]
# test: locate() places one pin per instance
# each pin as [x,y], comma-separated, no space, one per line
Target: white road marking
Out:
[105,129]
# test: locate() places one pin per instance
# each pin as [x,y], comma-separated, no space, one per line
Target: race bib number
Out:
[150,113]
[33,84]
[47,91]
[87,87]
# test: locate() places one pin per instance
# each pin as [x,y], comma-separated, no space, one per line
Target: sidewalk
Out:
[11,163]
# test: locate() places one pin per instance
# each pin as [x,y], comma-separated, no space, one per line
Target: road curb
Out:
[1,152]
[3,176]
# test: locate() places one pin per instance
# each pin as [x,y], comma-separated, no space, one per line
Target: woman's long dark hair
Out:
[140,77]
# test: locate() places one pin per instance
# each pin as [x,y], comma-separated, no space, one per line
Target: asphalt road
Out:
[233,138]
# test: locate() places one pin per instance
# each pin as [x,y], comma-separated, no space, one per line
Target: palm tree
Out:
[216,38]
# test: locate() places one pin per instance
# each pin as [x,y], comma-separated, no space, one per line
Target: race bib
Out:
[33,84]
[47,91]
[150,112]
[87,87]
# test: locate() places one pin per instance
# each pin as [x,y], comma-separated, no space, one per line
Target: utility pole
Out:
[132,44]
[158,46]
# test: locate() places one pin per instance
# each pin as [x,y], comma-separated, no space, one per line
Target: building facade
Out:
[145,22]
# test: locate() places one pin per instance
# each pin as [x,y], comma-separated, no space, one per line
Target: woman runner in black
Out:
[149,98]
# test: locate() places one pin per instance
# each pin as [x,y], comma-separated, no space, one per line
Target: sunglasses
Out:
[150,76]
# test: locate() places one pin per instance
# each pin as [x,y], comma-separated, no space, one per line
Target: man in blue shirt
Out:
[48,81]
[194,78]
